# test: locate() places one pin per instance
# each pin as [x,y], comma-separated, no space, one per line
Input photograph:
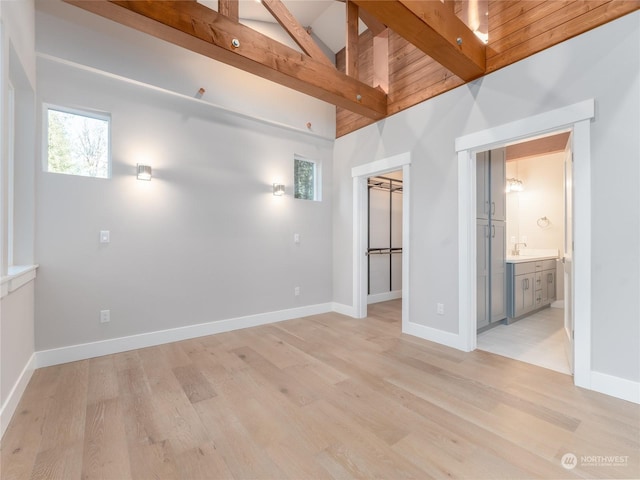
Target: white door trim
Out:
[577,117]
[360,175]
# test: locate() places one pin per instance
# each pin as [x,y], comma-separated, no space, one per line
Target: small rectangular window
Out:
[78,143]
[306,179]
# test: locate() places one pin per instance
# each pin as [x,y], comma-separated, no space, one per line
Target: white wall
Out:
[71,33]
[600,64]
[17,57]
[204,241]
[17,347]
[17,18]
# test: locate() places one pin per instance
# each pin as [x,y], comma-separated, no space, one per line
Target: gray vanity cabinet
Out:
[491,237]
[530,286]
[498,272]
[548,284]
[482,280]
[522,292]
[497,185]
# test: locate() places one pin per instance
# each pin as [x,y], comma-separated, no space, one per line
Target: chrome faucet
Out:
[516,250]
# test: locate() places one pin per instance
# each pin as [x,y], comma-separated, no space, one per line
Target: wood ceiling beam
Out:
[296,31]
[435,29]
[197,28]
[230,9]
[373,24]
[353,40]
[381,61]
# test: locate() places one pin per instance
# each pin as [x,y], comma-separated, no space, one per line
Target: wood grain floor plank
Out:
[61,462]
[21,442]
[325,396]
[65,420]
[106,453]
[270,376]
[103,379]
[196,387]
[171,412]
[202,463]
[244,457]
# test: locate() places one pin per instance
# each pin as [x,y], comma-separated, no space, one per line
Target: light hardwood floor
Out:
[320,397]
[537,339]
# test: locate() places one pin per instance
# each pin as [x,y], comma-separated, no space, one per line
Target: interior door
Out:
[567,259]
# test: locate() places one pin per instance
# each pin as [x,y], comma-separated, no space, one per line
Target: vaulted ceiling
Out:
[363,79]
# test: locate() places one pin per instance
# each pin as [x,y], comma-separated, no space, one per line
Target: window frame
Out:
[79,111]
[11,155]
[317,178]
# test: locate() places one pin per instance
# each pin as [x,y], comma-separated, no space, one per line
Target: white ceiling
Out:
[327,18]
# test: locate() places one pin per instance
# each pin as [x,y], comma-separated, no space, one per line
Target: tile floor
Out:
[537,339]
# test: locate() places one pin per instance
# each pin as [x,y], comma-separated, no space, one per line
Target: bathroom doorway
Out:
[537,195]
[577,118]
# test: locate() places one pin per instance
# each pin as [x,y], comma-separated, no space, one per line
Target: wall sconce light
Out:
[514,185]
[143,172]
[278,189]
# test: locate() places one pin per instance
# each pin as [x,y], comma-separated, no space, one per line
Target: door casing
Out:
[360,175]
[576,118]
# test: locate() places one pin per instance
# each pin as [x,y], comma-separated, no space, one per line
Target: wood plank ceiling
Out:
[411,51]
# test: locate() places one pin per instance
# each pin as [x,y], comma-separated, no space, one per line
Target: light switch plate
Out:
[105,236]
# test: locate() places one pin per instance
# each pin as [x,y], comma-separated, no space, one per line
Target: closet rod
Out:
[383,251]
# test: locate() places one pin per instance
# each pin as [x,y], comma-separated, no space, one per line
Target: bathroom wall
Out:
[543,196]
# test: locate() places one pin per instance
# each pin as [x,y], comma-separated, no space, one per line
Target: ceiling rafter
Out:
[230,9]
[435,29]
[375,26]
[381,61]
[296,31]
[353,40]
[198,28]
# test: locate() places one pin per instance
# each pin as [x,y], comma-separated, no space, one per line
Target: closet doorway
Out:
[384,241]
[400,163]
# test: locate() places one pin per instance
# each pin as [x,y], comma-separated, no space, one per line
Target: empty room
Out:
[315,239]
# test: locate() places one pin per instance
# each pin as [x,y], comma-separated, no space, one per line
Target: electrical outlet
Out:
[440,308]
[105,316]
[296,291]
[296,238]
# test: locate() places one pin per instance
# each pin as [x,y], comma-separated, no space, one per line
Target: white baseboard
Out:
[616,386]
[72,353]
[384,297]
[343,309]
[10,405]
[448,339]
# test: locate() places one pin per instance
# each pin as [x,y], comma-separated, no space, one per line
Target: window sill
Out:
[17,276]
